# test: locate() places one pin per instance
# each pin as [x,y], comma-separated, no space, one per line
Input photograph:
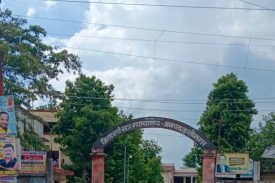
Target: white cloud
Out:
[155,79]
[31,12]
[50,3]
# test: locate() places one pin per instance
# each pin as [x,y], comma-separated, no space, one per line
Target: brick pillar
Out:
[98,160]
[208,166]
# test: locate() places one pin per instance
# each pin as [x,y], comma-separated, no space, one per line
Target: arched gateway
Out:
[209,148]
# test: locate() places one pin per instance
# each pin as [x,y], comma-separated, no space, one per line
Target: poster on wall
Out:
[232,164]
[7,117]
[8,157]
[33,163]
[250,170]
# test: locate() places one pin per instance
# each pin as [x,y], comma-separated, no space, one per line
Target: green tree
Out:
[82,119]
[151,150]
[29,140]
[28,64]
[229,103]
[192,159]
[262,137]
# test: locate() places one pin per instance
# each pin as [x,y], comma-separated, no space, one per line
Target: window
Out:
[47,129]
[55,156]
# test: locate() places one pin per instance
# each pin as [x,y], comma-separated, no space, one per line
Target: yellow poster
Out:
[33,164]
[232,164]
[8,160]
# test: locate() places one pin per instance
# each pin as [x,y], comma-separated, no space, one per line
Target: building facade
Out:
[42,128]
[183,175]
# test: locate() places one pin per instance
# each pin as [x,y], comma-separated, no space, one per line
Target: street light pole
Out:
[124,179]
[219,140]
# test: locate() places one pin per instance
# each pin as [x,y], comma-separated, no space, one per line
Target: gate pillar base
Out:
[208,166]
[98,160]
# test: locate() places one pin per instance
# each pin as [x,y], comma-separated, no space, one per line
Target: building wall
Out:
[21,116]
[61,178]
[167,177]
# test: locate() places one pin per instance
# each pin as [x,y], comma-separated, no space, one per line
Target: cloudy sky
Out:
[149,78]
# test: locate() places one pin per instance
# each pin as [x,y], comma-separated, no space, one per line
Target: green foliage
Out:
[29,140]
[229,103]
[83,119]
[262,137]
[29,64]
[193,159]
[151,151]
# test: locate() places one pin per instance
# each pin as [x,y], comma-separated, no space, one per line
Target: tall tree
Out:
[229,103]
[28,64]
[82,119]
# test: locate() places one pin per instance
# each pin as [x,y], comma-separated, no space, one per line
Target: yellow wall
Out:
[52,145]
[58,176]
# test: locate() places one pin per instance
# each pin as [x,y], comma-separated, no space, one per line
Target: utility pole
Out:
[124,179]
[219,140]
[1,76]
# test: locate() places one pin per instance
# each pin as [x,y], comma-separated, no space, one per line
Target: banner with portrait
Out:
[7,117]
[8,157]
[232,164]
[33,163]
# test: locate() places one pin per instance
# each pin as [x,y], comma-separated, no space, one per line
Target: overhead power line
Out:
[169,110]
[235,101]
[160,5]
[257,5]
[150,29]
[163,41]
[171,60]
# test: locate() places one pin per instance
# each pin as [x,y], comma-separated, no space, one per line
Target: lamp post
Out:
[129,157]
[124,174]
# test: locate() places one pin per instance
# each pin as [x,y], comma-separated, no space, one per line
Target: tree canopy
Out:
[28,64]
[262,137]
[83,116]
[229,103]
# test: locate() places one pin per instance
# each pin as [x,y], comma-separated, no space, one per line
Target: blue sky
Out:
[143,78]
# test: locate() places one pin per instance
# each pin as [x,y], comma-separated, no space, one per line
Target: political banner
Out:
[33,163]
[8,179]
[8,157]
[250,170]
[232,164]
[7,117]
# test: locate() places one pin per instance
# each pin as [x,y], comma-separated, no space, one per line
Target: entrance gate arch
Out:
[98,155]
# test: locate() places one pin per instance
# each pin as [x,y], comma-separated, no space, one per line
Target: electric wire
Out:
[148,29]
[163,41]
[170,60]
[159,5]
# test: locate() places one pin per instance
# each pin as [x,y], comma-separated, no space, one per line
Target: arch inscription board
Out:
[154,122]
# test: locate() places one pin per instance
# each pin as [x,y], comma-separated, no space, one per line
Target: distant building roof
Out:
[46,115]
[182,172]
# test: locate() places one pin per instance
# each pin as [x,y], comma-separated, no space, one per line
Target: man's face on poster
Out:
[222,160]
[4,121]
[8,151]
[9,101]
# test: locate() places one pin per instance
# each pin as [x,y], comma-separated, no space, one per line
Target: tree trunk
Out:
[84,171]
